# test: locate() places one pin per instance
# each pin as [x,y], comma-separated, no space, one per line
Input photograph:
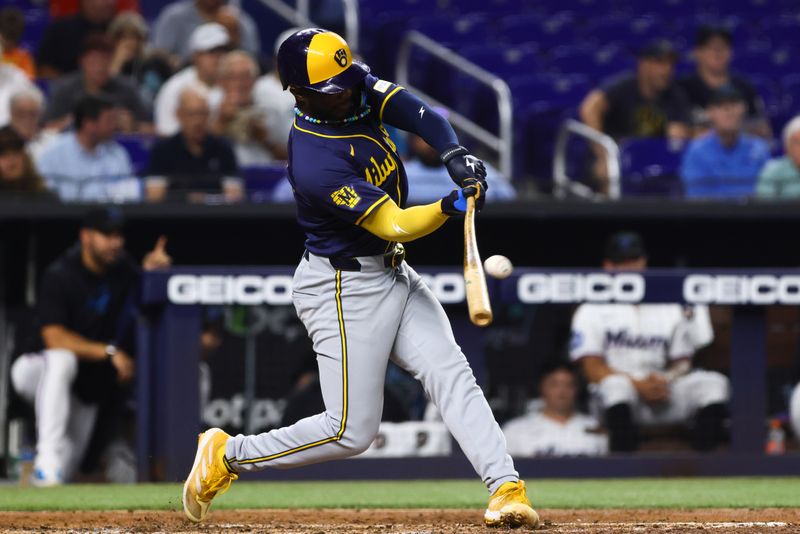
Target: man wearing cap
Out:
[177,21]
[713,50]
[208,43]
[85,309]
[637,360]
[644,104]
[725,162]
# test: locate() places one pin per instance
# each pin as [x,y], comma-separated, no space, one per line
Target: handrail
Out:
[351,23]
[288,13]
[501,142]
[563,184]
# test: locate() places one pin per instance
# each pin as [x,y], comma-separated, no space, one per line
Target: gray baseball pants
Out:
[357,320]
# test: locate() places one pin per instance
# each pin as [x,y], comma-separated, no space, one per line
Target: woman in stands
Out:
[17,172]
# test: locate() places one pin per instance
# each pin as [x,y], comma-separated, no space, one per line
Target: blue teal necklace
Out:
[353,118]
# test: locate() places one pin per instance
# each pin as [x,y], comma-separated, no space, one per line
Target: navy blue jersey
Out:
[341,173]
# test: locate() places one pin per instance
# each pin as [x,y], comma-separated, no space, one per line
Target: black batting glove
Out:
[455,203]
[461,165]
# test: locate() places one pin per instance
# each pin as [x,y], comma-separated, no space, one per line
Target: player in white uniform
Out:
[556,428]
[637,359]
[794,411]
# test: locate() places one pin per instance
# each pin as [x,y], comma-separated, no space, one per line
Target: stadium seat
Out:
[504,60]
[36,20]
[548,31]
[650,166]
[623,30]
[592,61]
[448,30]
[261,180]
[138,147]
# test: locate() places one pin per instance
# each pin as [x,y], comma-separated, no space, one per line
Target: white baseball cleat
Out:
[210,475]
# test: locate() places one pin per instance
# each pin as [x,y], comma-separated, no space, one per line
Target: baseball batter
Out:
[637,360]
[359,300]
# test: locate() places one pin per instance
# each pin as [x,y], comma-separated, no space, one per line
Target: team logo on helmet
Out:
[341,57]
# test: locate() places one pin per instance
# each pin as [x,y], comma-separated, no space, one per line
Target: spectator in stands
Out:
[193,160]
[713,51]
[644,104]
[177,22]
[276,104]
[87,164]
[239,118]
[12,25]
[58,51]
[725,162]
[131,58]
[12,81]
[556,427]
[66,8]
[208,44]
[95,78]
[637,360]
[86,311]
[780,177]
[26,109]
[17,172]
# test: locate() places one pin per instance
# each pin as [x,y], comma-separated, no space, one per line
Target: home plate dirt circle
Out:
[399,521]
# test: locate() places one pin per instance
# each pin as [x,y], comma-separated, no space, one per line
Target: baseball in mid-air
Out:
[498,266]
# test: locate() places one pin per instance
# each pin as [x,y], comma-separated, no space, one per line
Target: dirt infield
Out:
[339,521]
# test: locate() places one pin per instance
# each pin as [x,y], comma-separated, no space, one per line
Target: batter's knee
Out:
[358,438]
[616,389]
[62,362]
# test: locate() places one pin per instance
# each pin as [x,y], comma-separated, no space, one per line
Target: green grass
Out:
[615,493]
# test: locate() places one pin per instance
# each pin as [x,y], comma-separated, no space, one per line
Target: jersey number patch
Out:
[346,196]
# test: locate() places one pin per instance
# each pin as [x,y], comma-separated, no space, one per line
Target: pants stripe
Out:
[343,425]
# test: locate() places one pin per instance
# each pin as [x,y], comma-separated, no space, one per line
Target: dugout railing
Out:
[168,397]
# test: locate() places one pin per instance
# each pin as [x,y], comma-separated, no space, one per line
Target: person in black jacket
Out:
[193,160]
[85,308]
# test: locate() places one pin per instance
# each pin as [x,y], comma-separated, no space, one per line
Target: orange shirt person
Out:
[12,24]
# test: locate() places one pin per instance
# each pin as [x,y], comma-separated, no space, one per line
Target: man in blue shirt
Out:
[725,162]
[87,165]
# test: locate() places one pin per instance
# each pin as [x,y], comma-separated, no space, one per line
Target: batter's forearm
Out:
[58,337]
[392,223]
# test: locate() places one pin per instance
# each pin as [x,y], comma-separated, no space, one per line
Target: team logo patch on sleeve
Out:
[381,86]
[346,196]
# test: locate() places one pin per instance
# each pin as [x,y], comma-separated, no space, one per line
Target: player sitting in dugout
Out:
[637,359]
[85,308]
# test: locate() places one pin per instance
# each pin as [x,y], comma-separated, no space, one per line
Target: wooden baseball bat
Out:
[480,309]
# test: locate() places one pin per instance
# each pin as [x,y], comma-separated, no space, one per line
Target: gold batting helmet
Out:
[319,60]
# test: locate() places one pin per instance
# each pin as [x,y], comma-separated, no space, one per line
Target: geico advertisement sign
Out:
[571,287]
[533,288]
[734,289]
[277,289]
[219,289]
